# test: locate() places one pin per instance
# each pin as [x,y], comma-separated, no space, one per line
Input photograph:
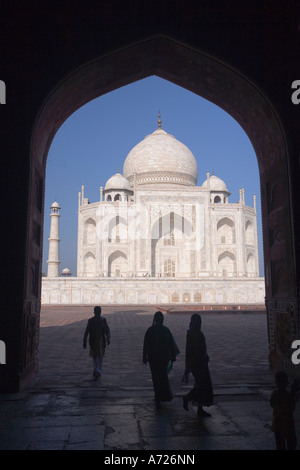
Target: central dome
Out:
[161,159]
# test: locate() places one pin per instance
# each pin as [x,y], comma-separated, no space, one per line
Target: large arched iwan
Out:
[215,81]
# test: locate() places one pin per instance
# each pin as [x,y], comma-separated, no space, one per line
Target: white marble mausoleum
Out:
[154,236]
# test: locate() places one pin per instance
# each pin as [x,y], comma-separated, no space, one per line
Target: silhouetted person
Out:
[196,362]
[99,337]
[159,350]
[283,403]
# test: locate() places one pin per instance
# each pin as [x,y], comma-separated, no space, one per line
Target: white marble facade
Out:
[154,222]
[157,291]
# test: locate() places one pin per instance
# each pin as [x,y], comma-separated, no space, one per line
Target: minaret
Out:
[54,240]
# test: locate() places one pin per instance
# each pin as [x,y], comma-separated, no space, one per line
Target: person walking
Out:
[98,332]
[196,362]
[283,403]
[160,350]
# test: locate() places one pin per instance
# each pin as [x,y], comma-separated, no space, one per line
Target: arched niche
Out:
[117,264]
[226,231]
[89,237]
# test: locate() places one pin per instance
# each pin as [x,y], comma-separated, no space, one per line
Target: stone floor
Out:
[67,409]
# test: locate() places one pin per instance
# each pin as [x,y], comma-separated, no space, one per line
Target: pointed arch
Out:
[169,230]
[197,296]
[226,231]
[117,264]
[89,237]
[249,233]
[193,69]
[227,264]
[251,268]
[89,264]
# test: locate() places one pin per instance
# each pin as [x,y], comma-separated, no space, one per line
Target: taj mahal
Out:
[155,237]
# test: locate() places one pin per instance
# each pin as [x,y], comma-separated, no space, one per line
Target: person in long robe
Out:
[98,332]
[196,362]
[283,403]
[160,350]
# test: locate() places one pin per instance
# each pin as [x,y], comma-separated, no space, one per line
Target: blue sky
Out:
[93,143]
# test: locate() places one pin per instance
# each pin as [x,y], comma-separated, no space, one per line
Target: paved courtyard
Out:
[67,409]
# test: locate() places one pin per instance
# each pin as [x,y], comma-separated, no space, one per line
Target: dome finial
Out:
[159,120]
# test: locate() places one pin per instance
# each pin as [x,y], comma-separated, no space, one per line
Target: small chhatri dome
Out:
[215,184]
[117,181]
[66,272]
[55,208]
[161,159]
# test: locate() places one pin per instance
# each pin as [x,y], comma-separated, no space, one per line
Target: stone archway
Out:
[227,264]
[117,264]
[226,230]
[213,80]
[89,234]
[89,265]
[166,232]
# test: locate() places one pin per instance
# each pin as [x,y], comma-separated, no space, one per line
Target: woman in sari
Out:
[159,350]
[196,362]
